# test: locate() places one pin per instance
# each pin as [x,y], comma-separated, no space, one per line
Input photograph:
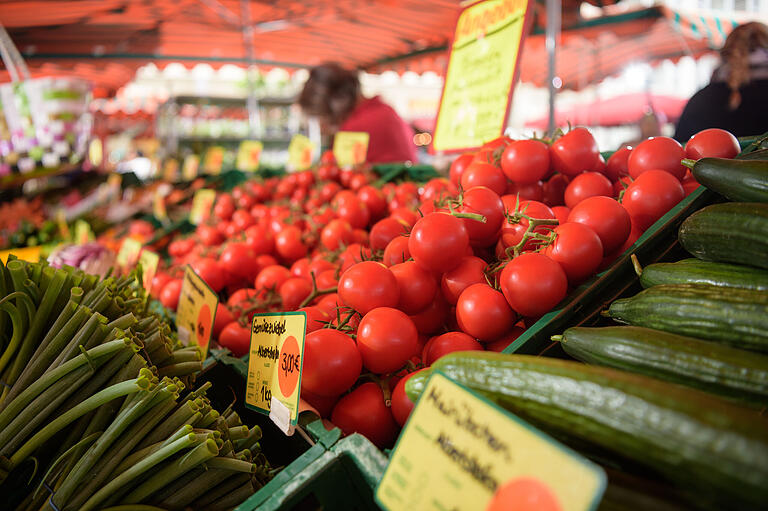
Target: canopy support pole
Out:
[554,11]
[251,101]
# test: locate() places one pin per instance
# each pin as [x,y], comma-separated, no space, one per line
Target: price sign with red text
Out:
[149,261]
[214,160]
[248,155]
[350,147]
[275,364]
[300,152]
[196,311]
[129,253]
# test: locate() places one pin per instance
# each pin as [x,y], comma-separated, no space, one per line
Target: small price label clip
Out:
[275,366]
[196,311]
[300,152]
[460,451]
[129,253]
[214,160]
[249,155]
[202,202]
[350,147]
[149,262]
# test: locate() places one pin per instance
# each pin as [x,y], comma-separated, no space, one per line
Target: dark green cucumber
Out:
[696,271]
[732,232]
[712,367]
[715,450]
[738,180]
[738,317]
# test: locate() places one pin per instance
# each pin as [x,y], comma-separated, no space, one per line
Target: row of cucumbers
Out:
[682,390]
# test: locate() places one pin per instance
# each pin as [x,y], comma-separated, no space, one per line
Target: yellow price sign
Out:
[149,262]
[196,312]
[202,202]
[300,152]
[61,220]
[350,147]
[158,205]
[83,232]
[274,368]
[459,451]
[482,67]
[29,254]
[191,167]
[248,155]
[129,253]
[171,170]
[214,160]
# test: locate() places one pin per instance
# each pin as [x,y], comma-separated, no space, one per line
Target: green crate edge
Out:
[366,460]
[537,337]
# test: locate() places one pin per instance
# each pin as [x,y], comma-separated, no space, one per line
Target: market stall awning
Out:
[615,111]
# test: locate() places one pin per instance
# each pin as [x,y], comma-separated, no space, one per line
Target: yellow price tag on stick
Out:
[274,367]
[459,451]
[128,255]
[482,67]
[350,147]
[83,232]
[61,220]
[202,202]
[29,254]
[249,155]
[214,160]
[300,152]
[196,311]
[191,167]
[149,261]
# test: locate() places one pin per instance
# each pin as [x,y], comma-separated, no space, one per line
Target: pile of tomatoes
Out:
[394,277]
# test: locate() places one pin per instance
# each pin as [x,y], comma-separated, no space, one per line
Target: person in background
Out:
[332,94]
[736,98]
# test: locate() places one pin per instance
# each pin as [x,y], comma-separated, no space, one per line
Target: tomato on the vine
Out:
[486,203]
[386,338]
[484,313]
[417,286]
[169,296]
[578,249]
[525,161]
[484,174]
[650,196]
[236,338]
[617,164]
[402,406]
[396,251]
[458,167]
[606,217]
[368,285]
[471,270]
[332,362]
[384,231]
[363,411]
[657,153]
[712,143]
[574,152]
[449,342]
[533,283]
[588,184]
[438,241]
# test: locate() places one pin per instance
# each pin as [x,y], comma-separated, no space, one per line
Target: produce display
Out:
[679,392]
[98,406]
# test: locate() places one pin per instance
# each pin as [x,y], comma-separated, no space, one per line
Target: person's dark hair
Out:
[741,42]
[331,91]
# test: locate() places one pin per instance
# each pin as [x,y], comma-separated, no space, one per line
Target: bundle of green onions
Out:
[97,404]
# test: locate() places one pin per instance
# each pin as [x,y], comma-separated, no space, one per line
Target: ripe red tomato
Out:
[561,213]
[578,249]
[484,313]
[336,233]
[438,241]
[363,411]
[236,338]
[433,317]
[209,235]
[714,143]
[272,277]
[386,338]
[158,283]
[293,291]
[238,259]
[526,191]
[260,239]
[223,318]
[606,217]
[441,345]
[657,153]
[417,286]
[169,296]
[438,188]
[384,231]
[533,284]
[554,190]
[588,184]
[617,164]
[396,251]
[504,342]
[402,406]
[368,285]
[242,219]
[650,196]
[406,215]
[374,200]
[574,152]
[513,229]
[289,244]
[243,295]
[209,270]
[484,174]
[330,303]
[355,212]
[485,202]
[224,207]
[316,318]
[525,161]
[458,167]
[471,270]
[332,362]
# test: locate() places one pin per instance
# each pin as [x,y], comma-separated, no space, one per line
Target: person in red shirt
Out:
[332,94]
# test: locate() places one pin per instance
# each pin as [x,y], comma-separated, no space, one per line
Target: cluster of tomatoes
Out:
[394,277]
